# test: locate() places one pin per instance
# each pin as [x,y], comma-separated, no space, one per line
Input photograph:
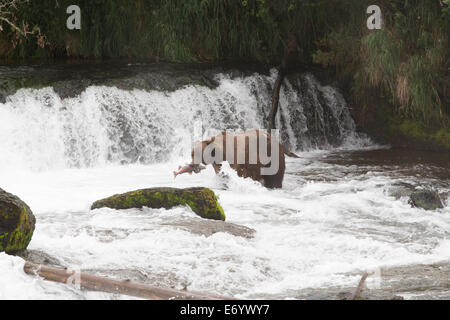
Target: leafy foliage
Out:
[407,60]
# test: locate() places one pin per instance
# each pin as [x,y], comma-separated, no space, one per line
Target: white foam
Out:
[308,234]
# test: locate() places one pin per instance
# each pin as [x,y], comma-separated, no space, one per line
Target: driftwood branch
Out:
[95,283]
[358,289]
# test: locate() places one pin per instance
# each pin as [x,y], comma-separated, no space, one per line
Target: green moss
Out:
[16,241]
[415,131]
[388,127]
[202,201]
[18,224]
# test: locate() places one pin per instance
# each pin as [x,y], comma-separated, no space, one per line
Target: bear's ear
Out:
[210,140]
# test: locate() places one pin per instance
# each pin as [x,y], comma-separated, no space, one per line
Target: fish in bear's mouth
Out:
[188,168]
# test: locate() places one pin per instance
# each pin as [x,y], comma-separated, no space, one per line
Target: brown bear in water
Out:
[251,156]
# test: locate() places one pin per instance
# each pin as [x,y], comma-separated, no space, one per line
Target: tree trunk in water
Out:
[95,283]
[276,98]
[290,55]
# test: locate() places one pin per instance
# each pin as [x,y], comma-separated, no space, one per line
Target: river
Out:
[340,212]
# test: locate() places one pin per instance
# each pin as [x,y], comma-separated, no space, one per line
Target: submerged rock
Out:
[40,257]
[16,223]
[400,189]
[208,228]
[202,201]
[426,199]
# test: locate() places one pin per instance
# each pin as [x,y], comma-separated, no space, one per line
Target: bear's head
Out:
[198,152]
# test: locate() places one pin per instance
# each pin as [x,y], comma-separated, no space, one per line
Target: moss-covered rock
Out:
[202,201]
[16,223]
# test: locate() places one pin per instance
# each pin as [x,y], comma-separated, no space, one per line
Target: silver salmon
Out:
[188,168]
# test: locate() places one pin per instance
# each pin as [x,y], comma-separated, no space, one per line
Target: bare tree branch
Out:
[8,9]
[356,294]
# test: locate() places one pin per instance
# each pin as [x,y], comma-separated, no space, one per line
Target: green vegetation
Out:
[202,201]
[169,30]
[405,65]
[416,132]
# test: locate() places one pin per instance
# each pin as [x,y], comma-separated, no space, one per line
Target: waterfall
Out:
[103,125]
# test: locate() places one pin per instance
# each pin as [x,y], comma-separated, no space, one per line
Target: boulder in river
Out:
[425,199]
[202,201]
[16,223]
[207,227]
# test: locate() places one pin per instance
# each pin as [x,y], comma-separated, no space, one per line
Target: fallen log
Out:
[125,287]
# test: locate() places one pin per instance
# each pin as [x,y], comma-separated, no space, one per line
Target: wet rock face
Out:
[17,223]
[425,199]
[202,201]
[70,80]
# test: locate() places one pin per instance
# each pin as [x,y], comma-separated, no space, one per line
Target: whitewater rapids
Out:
[330,222]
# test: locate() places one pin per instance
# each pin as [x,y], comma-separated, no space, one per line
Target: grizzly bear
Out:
[249,154]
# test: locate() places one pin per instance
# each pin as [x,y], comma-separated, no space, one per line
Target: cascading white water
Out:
[103,125]
[313,116]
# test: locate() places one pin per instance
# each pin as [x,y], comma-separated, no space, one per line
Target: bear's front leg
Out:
[217,167]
